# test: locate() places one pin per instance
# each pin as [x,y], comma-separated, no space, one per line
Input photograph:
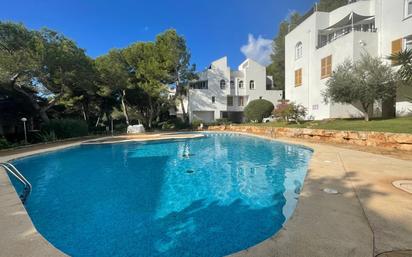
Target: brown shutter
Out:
[326,67]
[329,66]
[298,77]
[322,68]
[396,48]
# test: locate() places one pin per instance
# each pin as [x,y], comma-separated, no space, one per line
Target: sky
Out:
[212,28]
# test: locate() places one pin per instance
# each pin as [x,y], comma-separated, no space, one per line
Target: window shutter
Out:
[326,67]
[329,66]
[298,77]
[396,48]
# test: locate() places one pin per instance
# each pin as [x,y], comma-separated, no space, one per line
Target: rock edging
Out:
[399,141]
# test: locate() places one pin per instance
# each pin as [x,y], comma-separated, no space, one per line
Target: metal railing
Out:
[16,173]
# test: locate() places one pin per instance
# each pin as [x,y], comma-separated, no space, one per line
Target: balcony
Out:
[352,22]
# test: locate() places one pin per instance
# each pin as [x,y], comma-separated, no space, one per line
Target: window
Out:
[396,48]
[229,100]
[241,84]
[213,99]
[260,97]
[199,85]
[326,67]
[298,77]
[298,50]
[232,84]
[408,8]
[241,101]
[252,84]
[222,84]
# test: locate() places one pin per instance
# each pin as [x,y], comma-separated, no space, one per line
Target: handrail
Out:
[16,173]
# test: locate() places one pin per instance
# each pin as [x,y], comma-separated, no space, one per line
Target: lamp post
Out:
[25,131]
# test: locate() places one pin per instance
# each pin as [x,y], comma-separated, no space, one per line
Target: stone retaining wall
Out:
[378,139]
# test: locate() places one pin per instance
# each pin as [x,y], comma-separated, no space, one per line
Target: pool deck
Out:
[369,216]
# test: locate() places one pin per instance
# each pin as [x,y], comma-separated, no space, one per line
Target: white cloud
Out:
[258,49]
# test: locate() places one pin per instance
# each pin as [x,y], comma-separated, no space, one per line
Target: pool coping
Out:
[307,233]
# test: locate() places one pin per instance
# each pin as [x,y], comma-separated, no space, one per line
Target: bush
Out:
[4,144]
[46,136]
[196,124]
[290,112]
[174,124]
[66,128]
[256,110]
[223,121]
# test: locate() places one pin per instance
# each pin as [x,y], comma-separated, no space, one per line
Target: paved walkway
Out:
[368,217]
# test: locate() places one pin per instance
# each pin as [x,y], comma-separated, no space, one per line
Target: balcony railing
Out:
[327,39]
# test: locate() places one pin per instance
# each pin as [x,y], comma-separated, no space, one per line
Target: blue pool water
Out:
[197,197]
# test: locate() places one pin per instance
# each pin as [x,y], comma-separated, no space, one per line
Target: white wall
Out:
[391,25]
[200,100]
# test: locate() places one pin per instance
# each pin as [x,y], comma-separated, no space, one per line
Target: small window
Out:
[229,100]
[326,67]
[199,85]
[232,84]
[241,84]
[252,84]
[260,97]
[241,101]
[298,50]
[213,99]
[298,77]
[222,84]
[408,8]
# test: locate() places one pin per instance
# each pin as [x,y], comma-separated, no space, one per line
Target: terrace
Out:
[352,22]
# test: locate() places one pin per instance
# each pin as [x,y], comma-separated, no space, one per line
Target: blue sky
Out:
[212,28]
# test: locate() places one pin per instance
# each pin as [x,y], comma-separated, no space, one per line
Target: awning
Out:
[351,19]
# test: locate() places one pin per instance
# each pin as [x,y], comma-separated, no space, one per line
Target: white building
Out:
[223,93]
[324,40]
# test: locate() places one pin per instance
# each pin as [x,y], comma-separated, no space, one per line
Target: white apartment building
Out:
[223,93]
[324,40]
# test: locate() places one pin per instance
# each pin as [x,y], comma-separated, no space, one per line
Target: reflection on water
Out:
[201,197]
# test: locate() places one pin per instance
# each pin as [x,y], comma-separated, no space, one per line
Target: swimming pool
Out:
[209,196]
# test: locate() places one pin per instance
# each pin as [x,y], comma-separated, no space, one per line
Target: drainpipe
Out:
[308,67]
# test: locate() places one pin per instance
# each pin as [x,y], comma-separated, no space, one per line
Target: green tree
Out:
[148,73]
[277,66]
[21,51]
[330,5]
[67,74]
[114,80]
[363,82]
[42,64]
[176,57]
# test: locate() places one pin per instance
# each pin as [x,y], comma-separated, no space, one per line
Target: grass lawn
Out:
[398,125]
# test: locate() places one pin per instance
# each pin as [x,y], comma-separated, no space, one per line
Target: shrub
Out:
[66,128]
[46,136]
[196,123]
[223,121]
[256,110]
[4,144]
[174,124]
[290,112]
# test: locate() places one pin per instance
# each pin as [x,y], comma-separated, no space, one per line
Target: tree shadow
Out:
[210,229]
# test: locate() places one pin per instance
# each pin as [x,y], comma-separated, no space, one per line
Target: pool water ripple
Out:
[209,196]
